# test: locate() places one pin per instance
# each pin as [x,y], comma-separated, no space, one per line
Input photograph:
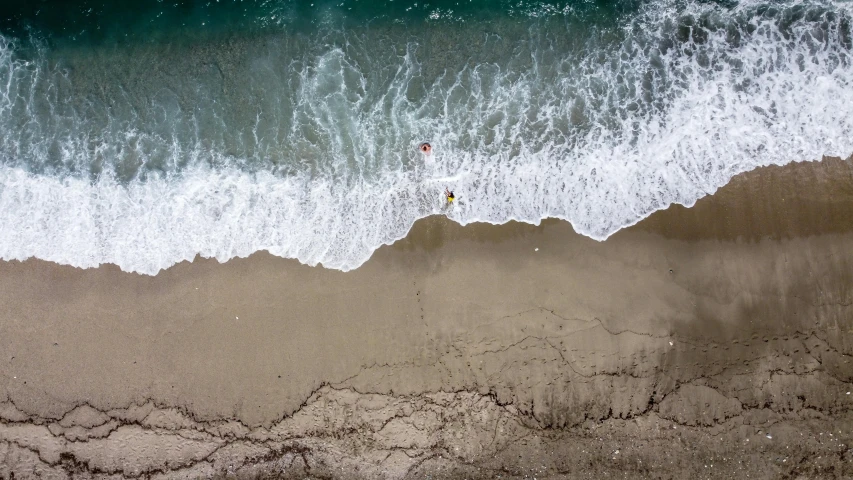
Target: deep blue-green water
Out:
[144,133]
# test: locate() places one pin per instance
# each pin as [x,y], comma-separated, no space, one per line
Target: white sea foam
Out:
[667,116]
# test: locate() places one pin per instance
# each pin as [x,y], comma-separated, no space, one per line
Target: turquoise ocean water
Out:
[144,133]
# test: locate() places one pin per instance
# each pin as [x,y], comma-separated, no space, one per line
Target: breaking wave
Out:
[305,145]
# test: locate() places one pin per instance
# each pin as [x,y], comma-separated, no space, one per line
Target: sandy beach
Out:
[712,341]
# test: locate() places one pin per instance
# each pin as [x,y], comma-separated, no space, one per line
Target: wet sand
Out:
[711,341]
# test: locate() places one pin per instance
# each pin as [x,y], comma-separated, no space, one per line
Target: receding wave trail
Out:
[306,147]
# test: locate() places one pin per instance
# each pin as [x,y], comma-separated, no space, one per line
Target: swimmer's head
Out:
[425,148]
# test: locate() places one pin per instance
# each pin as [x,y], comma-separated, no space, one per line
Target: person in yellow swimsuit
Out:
[449,195]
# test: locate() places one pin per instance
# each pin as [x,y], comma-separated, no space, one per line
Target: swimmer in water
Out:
[450,196]
[425,148]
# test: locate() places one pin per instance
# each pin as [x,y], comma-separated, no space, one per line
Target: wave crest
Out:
[597,132]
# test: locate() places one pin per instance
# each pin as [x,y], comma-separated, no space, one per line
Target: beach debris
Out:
[237,318]
[671,344]
[768,436]
[535,249]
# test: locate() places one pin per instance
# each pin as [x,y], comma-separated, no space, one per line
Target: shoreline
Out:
[458,351]
[657,222]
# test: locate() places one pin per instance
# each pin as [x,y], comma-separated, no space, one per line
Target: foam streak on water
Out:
[305,147]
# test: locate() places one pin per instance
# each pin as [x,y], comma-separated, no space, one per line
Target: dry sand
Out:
[714,341]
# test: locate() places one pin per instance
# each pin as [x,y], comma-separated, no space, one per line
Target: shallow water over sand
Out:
[147,137]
